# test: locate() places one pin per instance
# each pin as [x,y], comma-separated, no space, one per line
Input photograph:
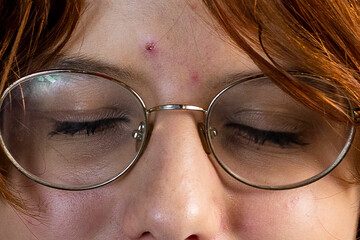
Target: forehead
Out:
[172,41]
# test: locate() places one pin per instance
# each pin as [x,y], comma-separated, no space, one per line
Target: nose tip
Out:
[176,183]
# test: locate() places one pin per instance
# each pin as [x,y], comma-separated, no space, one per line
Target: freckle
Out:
[194,77]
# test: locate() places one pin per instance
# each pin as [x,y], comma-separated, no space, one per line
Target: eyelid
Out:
[82,115]
[72,128]
[261,137]
[270,121]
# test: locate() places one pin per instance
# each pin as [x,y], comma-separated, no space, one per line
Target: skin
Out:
[175,191]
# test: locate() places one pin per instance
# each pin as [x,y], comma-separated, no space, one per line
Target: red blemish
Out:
[151,50]
[150,46]
[193,6]
[194,77]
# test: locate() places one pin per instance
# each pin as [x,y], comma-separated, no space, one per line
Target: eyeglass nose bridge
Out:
[176,107]
[139,133]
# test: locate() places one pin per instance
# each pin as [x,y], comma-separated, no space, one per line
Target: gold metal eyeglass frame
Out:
[142,134]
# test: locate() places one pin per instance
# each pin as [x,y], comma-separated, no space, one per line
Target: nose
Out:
[176,186]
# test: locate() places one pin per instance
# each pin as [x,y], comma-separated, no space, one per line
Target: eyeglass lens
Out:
[71,129]
[267,138]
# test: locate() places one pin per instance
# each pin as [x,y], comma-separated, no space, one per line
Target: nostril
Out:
[147,236]
[192,237]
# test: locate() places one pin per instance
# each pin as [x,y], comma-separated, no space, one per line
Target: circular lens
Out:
[265,138]
[71,130]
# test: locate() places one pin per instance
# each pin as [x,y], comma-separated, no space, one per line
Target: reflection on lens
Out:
[71,130]
[265,138]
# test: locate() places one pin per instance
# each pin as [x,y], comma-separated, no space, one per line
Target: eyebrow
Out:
[88,64]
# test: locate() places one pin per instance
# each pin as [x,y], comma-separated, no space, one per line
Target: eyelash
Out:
[71,128]
[282,139]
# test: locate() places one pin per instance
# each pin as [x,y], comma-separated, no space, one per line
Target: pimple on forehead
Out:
[149,46]
[193,6]
[150,49]
[194,77]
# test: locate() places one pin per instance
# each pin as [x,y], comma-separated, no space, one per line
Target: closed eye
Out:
[261,137]
[87,128]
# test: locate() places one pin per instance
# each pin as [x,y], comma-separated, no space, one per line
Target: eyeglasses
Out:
[77,130]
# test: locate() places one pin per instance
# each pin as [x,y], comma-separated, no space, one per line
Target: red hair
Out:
[318,37]
[32,33]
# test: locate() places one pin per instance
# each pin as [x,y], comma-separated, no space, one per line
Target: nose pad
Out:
[204,140]
[139,135]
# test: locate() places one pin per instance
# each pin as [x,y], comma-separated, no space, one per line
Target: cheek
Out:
[276,214]
[325,209]
[75,215]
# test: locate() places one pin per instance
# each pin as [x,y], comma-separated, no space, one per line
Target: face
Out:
[175,191]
